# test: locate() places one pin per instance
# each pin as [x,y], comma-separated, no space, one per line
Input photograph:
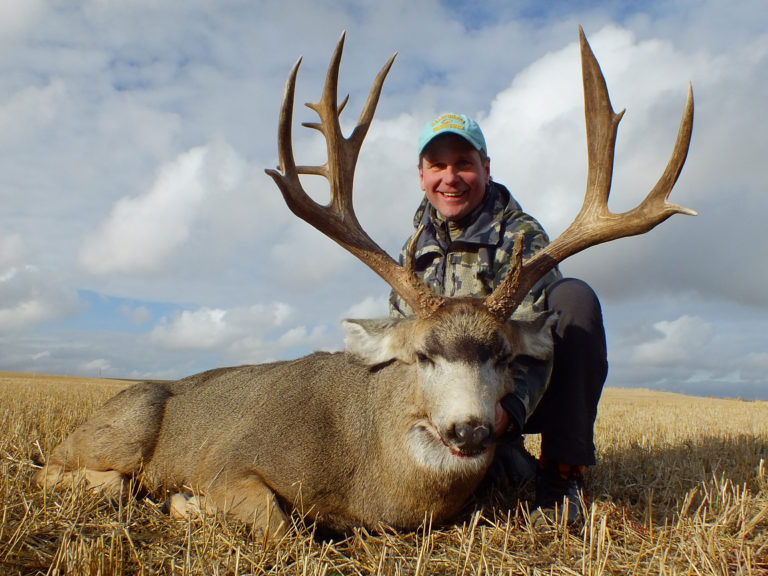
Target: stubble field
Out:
[681,487]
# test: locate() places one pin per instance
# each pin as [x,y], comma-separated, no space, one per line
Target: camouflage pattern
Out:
[472,257]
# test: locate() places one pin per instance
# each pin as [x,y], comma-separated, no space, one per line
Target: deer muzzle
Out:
[468,438]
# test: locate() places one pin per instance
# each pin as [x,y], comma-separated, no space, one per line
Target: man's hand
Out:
[512,464]
[501,420]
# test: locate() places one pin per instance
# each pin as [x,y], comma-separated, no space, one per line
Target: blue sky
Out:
[140,237]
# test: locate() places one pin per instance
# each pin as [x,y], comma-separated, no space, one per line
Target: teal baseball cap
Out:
[459,124]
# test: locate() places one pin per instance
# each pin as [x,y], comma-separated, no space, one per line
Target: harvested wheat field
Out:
[681,487]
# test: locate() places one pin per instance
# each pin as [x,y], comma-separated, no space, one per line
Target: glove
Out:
[516,416]
[511,465]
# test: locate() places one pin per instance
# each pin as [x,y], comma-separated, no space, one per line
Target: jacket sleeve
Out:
[534,239]
[399,308]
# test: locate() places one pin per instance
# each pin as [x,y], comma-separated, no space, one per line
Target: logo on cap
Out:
[448,121]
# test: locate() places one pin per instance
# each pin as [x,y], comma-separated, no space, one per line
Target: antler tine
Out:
[595,223]
[347,148]
[287,165]
[663,188]
[337,220]
[369,109]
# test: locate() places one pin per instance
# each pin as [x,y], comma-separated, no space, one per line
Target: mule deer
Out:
[400,425]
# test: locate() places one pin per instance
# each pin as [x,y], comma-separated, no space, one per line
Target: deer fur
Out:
[356,438]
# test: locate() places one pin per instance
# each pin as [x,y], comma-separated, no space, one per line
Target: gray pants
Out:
[565,417]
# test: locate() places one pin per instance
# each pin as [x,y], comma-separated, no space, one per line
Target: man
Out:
[465,249]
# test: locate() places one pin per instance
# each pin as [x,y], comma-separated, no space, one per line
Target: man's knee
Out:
[576,305]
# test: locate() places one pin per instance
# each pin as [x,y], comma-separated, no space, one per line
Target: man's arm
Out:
[399,308]
[534,239]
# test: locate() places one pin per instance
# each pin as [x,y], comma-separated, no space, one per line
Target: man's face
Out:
[453,176]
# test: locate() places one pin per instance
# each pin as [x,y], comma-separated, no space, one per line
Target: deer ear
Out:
[375,341]
[531,334]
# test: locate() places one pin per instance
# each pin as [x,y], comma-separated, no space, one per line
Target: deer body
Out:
[360,438]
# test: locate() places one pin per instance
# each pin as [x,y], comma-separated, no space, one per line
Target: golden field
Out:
[681,487]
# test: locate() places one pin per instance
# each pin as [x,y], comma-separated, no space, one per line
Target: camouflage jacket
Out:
[471,257]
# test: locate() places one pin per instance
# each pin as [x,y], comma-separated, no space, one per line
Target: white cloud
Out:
[677,342]
[281,313]
[138,315]
[301,336]
[143,232]
[370,307]
[98,367]
[294,336]
[218,329]
[193,329]
[536,131]
[258,333]
[29,295]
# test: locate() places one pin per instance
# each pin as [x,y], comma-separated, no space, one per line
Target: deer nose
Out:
[472,438]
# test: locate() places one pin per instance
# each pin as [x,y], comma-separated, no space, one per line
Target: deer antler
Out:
[337,220]
[596,224]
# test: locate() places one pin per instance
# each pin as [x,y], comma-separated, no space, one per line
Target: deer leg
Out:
[111,446]
[249,500]
[111,483]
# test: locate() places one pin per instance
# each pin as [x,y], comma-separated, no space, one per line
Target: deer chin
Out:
[429,449]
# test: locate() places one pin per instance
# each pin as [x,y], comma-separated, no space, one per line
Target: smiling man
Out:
[454,172]
[465,249]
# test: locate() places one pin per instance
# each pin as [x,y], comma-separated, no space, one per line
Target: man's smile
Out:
[456,194]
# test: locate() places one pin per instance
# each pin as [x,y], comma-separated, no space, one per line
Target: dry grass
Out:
[681,488]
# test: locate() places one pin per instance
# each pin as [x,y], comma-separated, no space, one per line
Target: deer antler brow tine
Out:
[505,292]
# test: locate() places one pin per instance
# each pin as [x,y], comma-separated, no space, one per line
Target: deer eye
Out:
[423,359]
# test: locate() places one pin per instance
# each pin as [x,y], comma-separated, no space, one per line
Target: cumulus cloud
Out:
[138,315]
[256,333]
[98,367]
[301,336]
[143,232]
[29,295]
[675,343]
[370,307]
[536,132]
[214,328]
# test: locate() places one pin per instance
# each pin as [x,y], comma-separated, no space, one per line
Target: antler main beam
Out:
[595,223]
[337,220]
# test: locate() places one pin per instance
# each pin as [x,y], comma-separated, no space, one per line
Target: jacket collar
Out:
[481,227]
